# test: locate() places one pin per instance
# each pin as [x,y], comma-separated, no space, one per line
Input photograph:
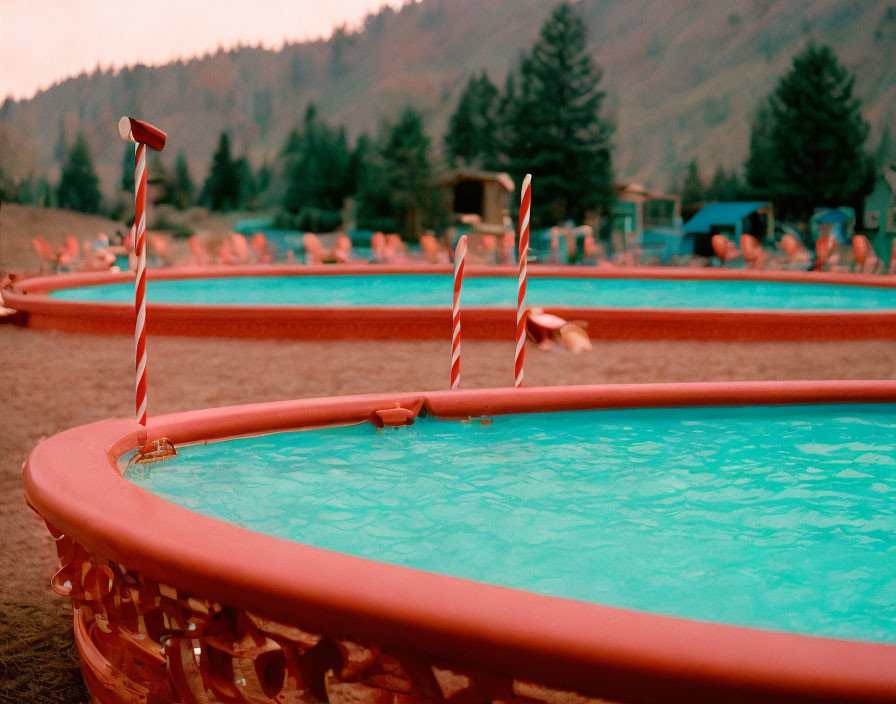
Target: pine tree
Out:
[263,177]
[760,166]
[8,188]
[554,125]
[61,149]
[373,193]
[406,152]
[472,130]
[221,191]
[692,191]
[179,187]
[724,187]
[818,135]
[395,190]
[262,109]
[79,186]
[293,143]
[886,150]
[460,139]
[319,177]
[128,162]
[248,189]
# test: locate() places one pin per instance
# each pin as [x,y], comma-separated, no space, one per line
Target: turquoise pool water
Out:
[435,290]
[775,517]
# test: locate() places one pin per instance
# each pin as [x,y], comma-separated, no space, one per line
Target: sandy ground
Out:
[53,381]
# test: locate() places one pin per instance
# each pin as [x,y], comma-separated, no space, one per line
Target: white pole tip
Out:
[124,129]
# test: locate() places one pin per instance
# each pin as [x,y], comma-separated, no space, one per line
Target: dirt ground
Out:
[52,381]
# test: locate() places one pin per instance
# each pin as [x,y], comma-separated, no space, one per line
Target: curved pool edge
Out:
[73,482]
[42,311]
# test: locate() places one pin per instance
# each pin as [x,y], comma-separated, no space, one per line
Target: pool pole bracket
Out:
[156,451]
[397,416]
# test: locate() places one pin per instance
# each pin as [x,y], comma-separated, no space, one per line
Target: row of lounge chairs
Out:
[793,254]
[231,250]
[71,255]
[237,249]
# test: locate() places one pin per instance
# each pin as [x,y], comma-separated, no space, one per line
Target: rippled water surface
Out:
[776,517]
[435,290]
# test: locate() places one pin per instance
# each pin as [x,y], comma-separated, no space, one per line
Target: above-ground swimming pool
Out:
[778,517]
[414,302]
[697,542]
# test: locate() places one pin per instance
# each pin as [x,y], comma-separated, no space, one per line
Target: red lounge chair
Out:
[431,250]
[72,248]
[754,254]
[43,250]
[396,251]
[724,248]
[198,253]
[158,249]
[378,246]
[225,254]
[240,248]
[824,248]
[261,251]
[865,256]
[314,250]
[342,250]
[489,245]
[797,256]
[508,247]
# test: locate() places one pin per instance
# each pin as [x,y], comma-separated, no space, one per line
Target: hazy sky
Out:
[42,41]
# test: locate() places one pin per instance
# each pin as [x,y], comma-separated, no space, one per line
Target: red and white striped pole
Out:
[460,252]
[140,281]
[525,209]
[144,135]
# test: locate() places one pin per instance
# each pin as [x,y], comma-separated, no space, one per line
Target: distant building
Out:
[880,212]
[638,209]
[482,194]
[731,219]
[647,220]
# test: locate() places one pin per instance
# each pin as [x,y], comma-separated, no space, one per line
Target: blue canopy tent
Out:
[837,221]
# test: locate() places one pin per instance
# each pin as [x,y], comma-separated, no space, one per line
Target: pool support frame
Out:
[40,310]
[118,542]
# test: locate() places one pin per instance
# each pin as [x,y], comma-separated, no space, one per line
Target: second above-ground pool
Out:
[433,290]
[414,302]
[688,543]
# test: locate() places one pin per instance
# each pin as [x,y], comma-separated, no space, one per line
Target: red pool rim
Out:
[40,310]
[73,481]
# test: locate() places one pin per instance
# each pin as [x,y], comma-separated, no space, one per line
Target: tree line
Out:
[548,119]
[807,145]
[807,148]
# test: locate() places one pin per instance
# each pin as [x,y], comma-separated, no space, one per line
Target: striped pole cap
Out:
[133,130]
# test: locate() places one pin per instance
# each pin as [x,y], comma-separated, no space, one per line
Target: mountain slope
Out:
[683,78]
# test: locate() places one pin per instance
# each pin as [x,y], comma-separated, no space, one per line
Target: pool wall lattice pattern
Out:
[148,643]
